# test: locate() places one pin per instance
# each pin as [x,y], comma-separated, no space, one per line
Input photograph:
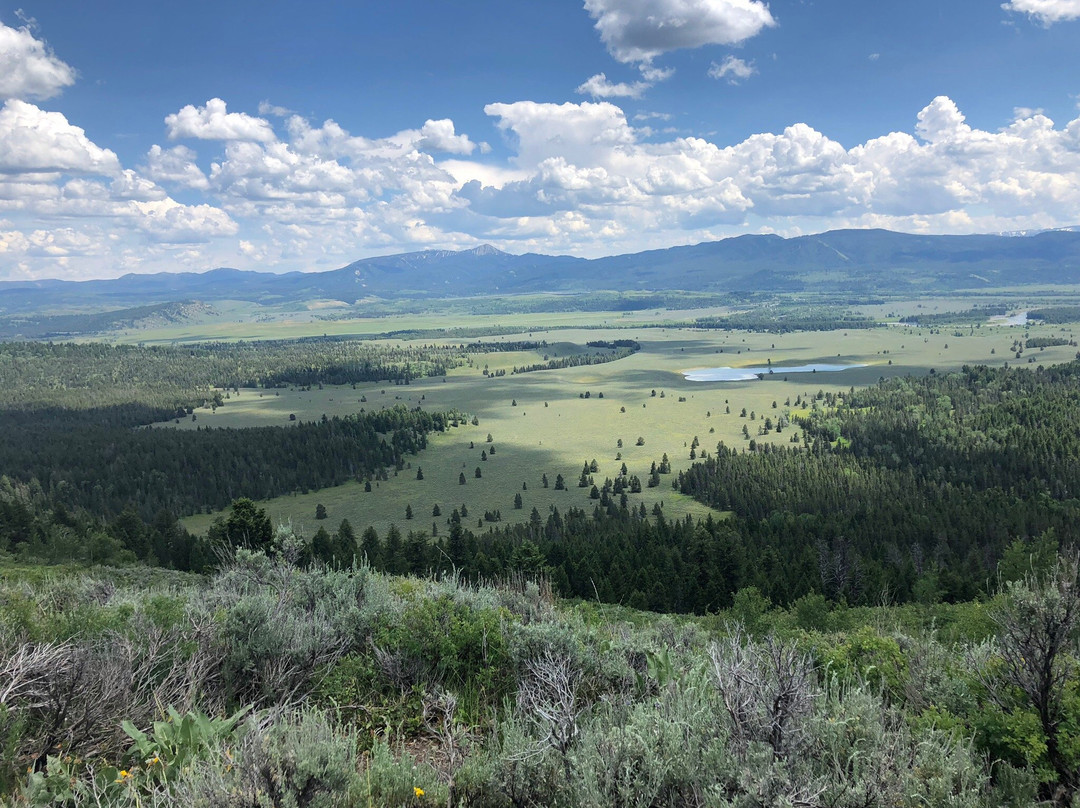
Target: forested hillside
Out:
[81,376]
[909,490]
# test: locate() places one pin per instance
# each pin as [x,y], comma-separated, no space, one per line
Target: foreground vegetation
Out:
[272,683]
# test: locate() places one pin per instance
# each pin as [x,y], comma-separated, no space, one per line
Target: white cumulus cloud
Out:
[1047,12]
[35,141]
[598,86]
[168,221]
[214,122]
[733,69]
[941,121]
[60,242]
[585,163]
[28,69]
[580,178]
[641,30]
[176,165]
[583,134]
[439,136]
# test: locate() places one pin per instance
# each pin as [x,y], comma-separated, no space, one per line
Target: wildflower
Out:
[124,775]
[419,792]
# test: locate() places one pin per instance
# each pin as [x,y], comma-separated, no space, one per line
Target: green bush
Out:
[868,656]
[359,691]
[442,642]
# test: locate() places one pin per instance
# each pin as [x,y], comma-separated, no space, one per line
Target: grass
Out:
[553,430]
[240,324]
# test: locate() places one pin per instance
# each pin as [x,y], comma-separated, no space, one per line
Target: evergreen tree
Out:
[248,526]
[395,561]
[455,545]
[416,553]
[322,546]
[345,548]
[371,548]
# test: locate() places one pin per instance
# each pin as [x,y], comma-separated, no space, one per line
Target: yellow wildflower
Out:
[419,792]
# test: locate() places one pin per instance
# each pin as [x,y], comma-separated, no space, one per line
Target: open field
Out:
[552,429]
[295,325]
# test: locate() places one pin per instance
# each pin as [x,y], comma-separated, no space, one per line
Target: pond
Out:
[748,374]
[1020,318]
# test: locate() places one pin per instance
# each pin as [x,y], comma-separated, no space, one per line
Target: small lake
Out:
[749,374]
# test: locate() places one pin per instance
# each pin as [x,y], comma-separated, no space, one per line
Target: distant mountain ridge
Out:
[842,261]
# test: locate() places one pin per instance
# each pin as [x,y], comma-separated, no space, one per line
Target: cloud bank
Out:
[580,179]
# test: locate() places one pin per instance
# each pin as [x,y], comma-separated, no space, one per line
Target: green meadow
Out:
[243,321]
[552,422]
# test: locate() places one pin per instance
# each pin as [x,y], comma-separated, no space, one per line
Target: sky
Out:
[151,137]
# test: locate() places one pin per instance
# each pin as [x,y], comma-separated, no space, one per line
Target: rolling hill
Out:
[847,261]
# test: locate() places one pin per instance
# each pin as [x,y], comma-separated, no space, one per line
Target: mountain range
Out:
[839,261]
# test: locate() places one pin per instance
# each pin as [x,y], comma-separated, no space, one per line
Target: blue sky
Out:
[144,137]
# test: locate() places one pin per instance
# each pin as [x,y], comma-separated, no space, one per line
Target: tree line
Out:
[785,319]
[56,470]
[95,374]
